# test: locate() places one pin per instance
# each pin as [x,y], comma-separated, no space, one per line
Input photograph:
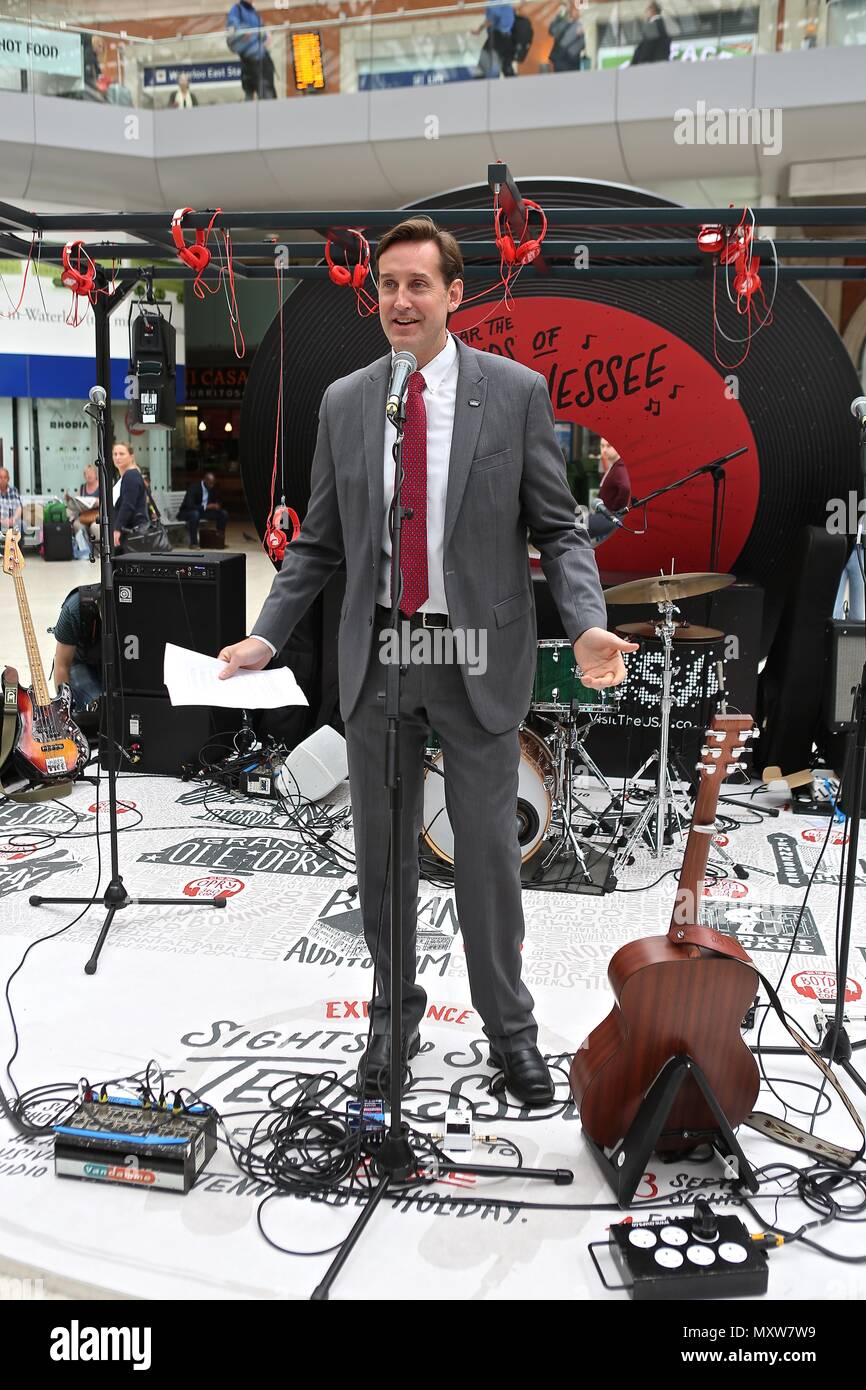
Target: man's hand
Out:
[248,655]
[599,657]
[116,540]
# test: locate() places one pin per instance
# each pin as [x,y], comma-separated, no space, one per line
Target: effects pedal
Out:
[698,1256]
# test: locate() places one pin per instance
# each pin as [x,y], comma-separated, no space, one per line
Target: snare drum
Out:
[536,779]
[557,686]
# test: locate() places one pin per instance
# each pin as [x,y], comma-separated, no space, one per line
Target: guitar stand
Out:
[625,1166]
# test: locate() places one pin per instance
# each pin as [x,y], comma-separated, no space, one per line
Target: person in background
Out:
[202,503]
[130,507]
[499,22]
[84,524]
[655,46]
[615,489]
[248,38]
[182,98]
[569,40]
[10,503]
[78,654]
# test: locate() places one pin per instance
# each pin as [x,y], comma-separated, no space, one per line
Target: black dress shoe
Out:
[378,1059]
[525,1074]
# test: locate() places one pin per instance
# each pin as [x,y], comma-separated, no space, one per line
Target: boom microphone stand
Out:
[394,1159]
[115,897]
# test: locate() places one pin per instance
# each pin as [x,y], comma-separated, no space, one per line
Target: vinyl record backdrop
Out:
[630,359]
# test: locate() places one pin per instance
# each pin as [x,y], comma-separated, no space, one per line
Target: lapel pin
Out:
[474,402]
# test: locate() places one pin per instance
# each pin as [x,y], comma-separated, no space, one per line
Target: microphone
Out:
[96,403]
[402,367]
[599,506]
[858,409]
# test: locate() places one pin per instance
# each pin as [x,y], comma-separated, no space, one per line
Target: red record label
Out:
[666,409]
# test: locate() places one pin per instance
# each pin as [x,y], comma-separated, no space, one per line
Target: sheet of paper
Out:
[193,679]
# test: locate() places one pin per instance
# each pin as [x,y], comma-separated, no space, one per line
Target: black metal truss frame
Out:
[658,259]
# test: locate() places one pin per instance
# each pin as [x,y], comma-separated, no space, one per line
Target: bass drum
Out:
[536,780]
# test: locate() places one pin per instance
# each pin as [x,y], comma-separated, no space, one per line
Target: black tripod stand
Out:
[394,1159]
[115,897]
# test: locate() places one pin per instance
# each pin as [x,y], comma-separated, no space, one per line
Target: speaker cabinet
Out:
[194,599]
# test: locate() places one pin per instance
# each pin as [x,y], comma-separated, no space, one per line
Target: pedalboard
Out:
[132,1144]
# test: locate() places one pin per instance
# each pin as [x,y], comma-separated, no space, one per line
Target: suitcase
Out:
[57,540]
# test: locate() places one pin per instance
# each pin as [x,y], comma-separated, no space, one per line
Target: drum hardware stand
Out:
[565,801]
[662,803]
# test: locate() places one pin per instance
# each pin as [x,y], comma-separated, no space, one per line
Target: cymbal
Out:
[662,587]
[685,632]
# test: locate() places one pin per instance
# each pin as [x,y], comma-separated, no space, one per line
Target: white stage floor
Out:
[228,1002]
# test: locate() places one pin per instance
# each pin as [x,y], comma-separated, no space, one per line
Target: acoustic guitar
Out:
[48,747]
[684,994]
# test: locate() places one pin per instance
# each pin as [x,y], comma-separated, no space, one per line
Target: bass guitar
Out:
[48,747]
[679,996]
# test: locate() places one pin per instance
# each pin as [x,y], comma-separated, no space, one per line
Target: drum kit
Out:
[555,764]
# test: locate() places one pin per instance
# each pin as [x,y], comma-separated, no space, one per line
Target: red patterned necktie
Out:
[413,547]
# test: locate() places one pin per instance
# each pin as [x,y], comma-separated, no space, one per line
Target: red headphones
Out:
[747,280]
[81,276]
[524,251]
[711,239]
[196,256]
[356,274]
[276,539]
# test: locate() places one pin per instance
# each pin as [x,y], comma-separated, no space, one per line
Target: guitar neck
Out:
[37,675]
[691,885]
[724,741]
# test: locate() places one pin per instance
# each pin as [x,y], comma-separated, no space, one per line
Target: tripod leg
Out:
[322,1289]
[90,967]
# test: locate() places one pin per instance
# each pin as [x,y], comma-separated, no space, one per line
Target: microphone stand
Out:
[394,1159]
[115,897]
[716,469]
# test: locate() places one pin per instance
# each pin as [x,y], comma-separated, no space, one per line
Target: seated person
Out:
[202,503]
[85,523]
[78,654]
[130,508]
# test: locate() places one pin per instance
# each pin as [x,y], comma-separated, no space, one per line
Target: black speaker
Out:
[195,600]
[57,540]
[155,736]
[845,657]
[152,368]
[791,685]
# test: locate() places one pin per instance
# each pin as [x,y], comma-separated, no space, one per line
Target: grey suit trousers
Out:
[481,779]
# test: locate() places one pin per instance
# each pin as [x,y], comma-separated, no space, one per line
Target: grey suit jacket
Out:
[506,473]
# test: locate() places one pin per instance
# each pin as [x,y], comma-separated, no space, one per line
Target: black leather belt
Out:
[417,619]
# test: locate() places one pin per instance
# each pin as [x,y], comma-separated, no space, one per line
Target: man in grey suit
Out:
[481,465]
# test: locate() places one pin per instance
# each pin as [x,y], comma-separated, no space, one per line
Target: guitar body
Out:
[49,746]
[671,1000]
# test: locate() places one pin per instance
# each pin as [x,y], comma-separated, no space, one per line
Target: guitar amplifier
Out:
[56,540]
[158,737]
[845,657]
[194,599]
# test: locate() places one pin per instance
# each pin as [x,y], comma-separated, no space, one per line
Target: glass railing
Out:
[347,46]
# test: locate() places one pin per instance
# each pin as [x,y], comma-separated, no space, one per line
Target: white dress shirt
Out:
[440,398]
